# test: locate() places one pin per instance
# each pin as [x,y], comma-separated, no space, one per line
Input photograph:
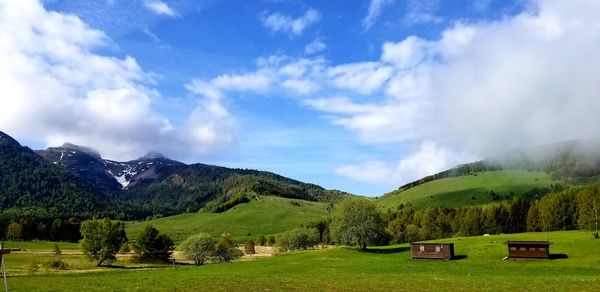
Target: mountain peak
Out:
[152,155]
[84,149]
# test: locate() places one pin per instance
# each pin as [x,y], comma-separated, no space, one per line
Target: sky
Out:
[360,96]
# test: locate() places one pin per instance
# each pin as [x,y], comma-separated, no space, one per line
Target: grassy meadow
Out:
[266,215]
[459,191]
[480,268]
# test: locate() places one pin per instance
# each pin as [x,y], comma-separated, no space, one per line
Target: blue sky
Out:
[360,96]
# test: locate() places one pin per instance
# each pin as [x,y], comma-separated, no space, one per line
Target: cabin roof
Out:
[517,242]
[430,243]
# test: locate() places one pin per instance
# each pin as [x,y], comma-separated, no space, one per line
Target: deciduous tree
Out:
[356,222]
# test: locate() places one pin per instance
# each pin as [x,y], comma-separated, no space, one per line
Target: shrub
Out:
[33,267]
[124,248]
[198,248]
[261,240]
[271,240]
[56,264]
[249,247]
[57,251]
[299,238]
[227,250]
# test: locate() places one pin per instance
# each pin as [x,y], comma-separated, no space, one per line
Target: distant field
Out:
[387,268]
[267,215]
[459,191]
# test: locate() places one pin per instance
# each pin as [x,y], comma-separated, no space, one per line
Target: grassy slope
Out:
[458,191]
[268,215]
[388,268]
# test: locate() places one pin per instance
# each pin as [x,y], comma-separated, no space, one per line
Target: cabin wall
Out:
[432,251]
[517,251]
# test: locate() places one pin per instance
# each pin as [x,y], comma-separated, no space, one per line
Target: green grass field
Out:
[459,191]
[267,216]
[385,268]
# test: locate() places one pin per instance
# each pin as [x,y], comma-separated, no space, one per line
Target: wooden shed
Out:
[528,249]
[440,251]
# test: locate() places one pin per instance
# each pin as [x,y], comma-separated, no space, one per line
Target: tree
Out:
[227,249]
[101,240]
[588,206]
[198,248]
[261,240]
[14,231]
[533,218]
[153,247]
[356,222]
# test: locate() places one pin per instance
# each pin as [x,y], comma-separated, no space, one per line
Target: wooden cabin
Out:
[440,251]
[528,249]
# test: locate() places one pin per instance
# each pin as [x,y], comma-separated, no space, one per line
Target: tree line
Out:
[358,221]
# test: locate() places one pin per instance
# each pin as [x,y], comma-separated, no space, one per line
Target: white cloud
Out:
[159,7]
[422,12]
[315,46]
[364,77]
[375,7]
[428,159]
[480,88]
[278,22]
[56,89]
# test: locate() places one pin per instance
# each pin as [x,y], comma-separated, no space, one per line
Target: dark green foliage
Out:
[322,228]
[271,240]
[567,209]
[27,180]
[153,247]
[101,240]
[227,250]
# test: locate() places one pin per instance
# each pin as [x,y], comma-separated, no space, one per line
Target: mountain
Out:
[31,185]
[102,174]
[61,178]
[531,171]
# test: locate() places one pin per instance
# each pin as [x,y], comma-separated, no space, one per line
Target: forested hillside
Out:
[71,182]
[29,185]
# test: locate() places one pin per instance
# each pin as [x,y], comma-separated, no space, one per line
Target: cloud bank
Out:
[56,88]
[481,87]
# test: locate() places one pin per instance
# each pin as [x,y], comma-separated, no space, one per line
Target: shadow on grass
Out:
[145,267]
[387,250]
[558,256]
[459,257]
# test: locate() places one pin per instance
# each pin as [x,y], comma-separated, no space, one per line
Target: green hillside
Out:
[265,215]
[380,269]
[459,191]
